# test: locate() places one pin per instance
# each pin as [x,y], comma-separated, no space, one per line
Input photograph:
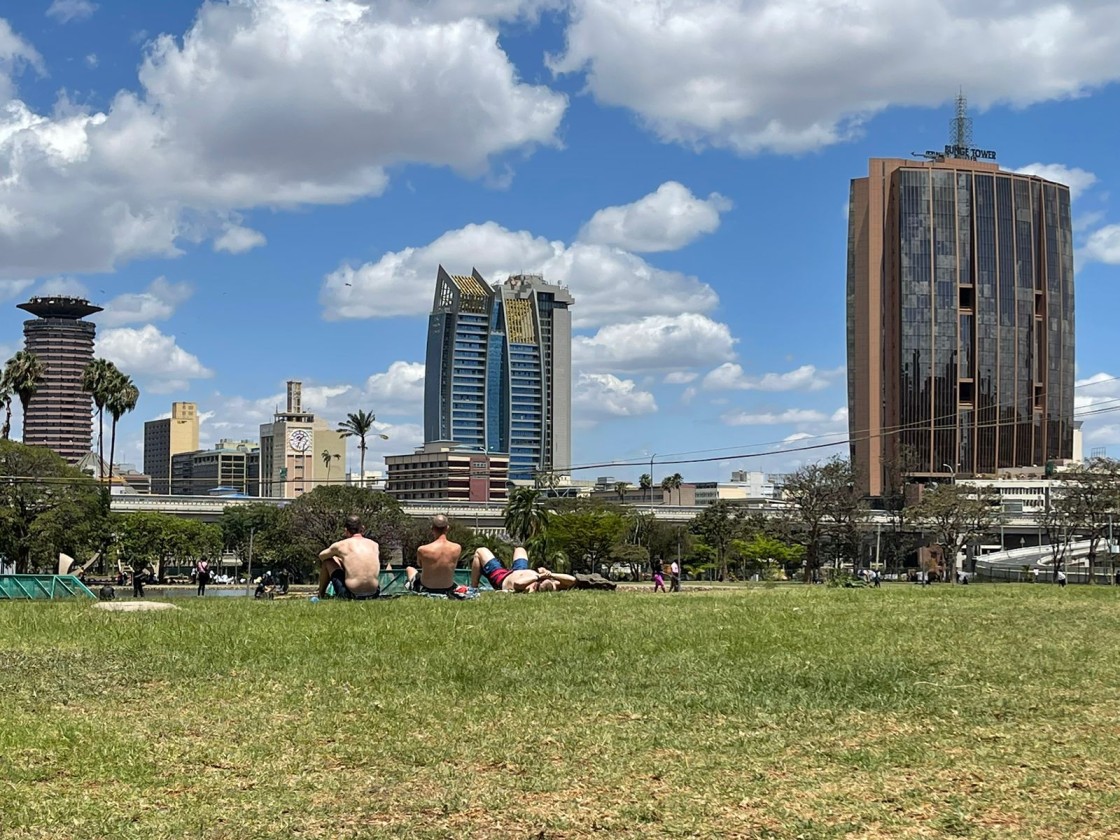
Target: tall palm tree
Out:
[22,374]
[360,425]
[526,517]
[122,399]
[667,487]
[98,378]
[678,480]
[327,458]
[620,487]
[646,483]
[6,402]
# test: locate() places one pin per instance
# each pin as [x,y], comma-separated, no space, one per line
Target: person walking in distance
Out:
[658,578]
[675,576]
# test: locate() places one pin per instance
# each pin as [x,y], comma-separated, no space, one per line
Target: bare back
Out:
[360,559]
[437,562]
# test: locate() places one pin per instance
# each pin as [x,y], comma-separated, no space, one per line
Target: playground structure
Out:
[42,588]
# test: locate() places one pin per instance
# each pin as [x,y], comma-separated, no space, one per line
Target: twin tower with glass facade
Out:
[960,321]
[498,376]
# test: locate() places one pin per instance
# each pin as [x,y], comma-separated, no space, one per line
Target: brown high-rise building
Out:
[960,320]
[59,413]
[167,437]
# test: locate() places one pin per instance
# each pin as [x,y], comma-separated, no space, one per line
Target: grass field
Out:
[791,711]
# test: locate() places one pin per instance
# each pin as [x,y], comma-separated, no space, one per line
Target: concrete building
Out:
[166,438]
[960,319]
[59,412]
[446,471]
[206,470]
[756,484]
[298,452]
[370,479]
[498,375]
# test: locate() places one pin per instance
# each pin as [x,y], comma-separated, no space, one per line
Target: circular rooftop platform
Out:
[59,307]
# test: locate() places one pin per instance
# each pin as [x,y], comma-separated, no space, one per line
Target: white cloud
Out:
[608,284]
[156,303]
[1078,180]
[793,76]
[260,103]
[770,418]
[599,395]
[92,60]
[399,390]
[665,220]
[1103,245]
[63,286]
[680,377]
[15,55]
[65,11]
[149,355]
[730,376]
[658,342]
[12,288]
[236,239]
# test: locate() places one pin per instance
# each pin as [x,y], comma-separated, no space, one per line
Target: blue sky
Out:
[260,190]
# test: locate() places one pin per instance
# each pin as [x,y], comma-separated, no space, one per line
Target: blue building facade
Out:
[498,371]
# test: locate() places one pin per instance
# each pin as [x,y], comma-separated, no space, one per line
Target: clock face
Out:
[300,440]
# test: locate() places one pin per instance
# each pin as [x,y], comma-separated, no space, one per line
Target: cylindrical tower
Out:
[59,414]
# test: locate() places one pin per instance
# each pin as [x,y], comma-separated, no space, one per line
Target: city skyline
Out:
[247,219]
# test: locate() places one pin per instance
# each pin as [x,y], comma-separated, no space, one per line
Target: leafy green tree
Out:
[360,425]
[954,515]
[22,374]
[163,540]
[761,553]
[825,507]
[258,520]
[1086,501]
[40,495]
[315,520]
[717,525]
[634,556]
[586,535]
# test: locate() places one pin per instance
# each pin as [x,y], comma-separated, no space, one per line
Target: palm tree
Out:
[667,487]
[22,374]
[360,425]
[646,483]
[6,402]
[98,378]
[122,398]
[526,517]
[677,481]
[620,487]
[327,458]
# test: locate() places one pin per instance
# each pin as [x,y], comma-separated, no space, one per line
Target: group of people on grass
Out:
[351,567]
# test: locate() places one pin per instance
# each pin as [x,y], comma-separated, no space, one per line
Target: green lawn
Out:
[790,711]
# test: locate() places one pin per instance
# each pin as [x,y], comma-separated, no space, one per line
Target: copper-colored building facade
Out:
[960,316]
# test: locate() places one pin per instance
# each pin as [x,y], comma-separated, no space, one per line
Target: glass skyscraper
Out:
[960,320]
[499,375]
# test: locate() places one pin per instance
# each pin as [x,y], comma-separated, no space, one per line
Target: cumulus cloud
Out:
[148,355]
[600,395]
[399,390]
[680,377]
[1078,180]
[66,11]
[236,239]
[13,288]
[731,377]
[665,220]
[260,103]
[156,303]
[658,342]
[608,284]
[1103,245]
[793,76]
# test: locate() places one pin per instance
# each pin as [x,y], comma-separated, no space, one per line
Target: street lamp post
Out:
[651,457]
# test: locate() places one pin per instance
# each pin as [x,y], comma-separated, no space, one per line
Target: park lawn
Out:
[768,712]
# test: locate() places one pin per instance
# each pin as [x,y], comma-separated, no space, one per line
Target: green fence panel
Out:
[42,588]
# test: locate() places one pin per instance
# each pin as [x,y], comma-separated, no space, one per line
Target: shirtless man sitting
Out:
[437,561]
[518,577]
[353,565]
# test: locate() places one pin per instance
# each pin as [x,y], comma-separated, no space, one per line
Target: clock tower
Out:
[299,451]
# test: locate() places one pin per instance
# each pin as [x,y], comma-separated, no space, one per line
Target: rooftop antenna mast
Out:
[960,127]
